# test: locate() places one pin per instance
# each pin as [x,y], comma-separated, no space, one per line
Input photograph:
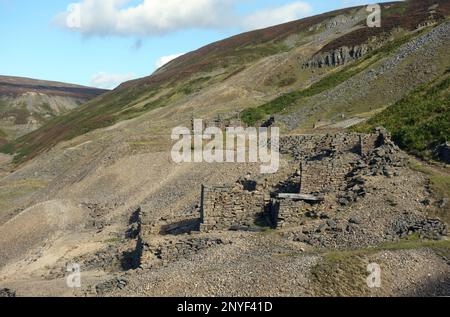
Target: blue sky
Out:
[103,42]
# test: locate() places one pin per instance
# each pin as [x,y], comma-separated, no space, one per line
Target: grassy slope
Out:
[290,101]
[127,102]
[16,86]
[24,100]
[3,138]
[180,78]
[407,15]
[439,184]
[175,80]
[100,112]
[419,121]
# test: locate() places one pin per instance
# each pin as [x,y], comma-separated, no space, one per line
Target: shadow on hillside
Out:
[181,227]
[434,288]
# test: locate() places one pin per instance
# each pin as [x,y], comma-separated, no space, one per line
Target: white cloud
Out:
[149,17]
[110,81]
[165,59]
[156,17]
[269,17]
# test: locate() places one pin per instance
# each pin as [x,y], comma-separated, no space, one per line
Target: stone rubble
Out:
[6,292]
[411,224]
[338,169]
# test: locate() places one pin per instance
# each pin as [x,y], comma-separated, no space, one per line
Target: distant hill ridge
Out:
[26,103]
[15,86]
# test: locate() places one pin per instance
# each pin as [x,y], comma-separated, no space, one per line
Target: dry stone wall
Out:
[286,212]
[221,122]
[229,207]
[368,143]
[326,175]
[325,162]
[307,147]
[160,253]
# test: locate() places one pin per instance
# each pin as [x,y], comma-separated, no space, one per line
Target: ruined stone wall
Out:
[368,143]
[157,253]
[300,146]
[326,175]
[221,122]
[303,147]
[225,208]
[346,142]
[286,212]
[325,163]
[310,146]
[342,142]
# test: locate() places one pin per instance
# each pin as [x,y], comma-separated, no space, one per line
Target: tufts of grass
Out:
[343,273]
[115,240]
[7,148]
[17,189]
[339,274]
[99,113]
[3,142]
[440,186]
[194,85]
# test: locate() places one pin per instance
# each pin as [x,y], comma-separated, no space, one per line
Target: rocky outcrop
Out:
[110,285]
[442,152]
[337,57]
[6,292]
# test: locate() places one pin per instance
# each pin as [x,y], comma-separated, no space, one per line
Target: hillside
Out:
[293,84]
[26,104]
[97,186]
[419,121]
[376,46]
[215,64]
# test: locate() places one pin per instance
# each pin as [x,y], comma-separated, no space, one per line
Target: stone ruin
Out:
[325,163]
[330,171]
[230,207]
[221,121]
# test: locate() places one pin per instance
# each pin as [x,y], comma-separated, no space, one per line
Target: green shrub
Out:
[8,148]
[420,121]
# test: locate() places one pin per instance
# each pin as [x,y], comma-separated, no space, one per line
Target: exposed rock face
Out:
[338,24]
[338,57]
